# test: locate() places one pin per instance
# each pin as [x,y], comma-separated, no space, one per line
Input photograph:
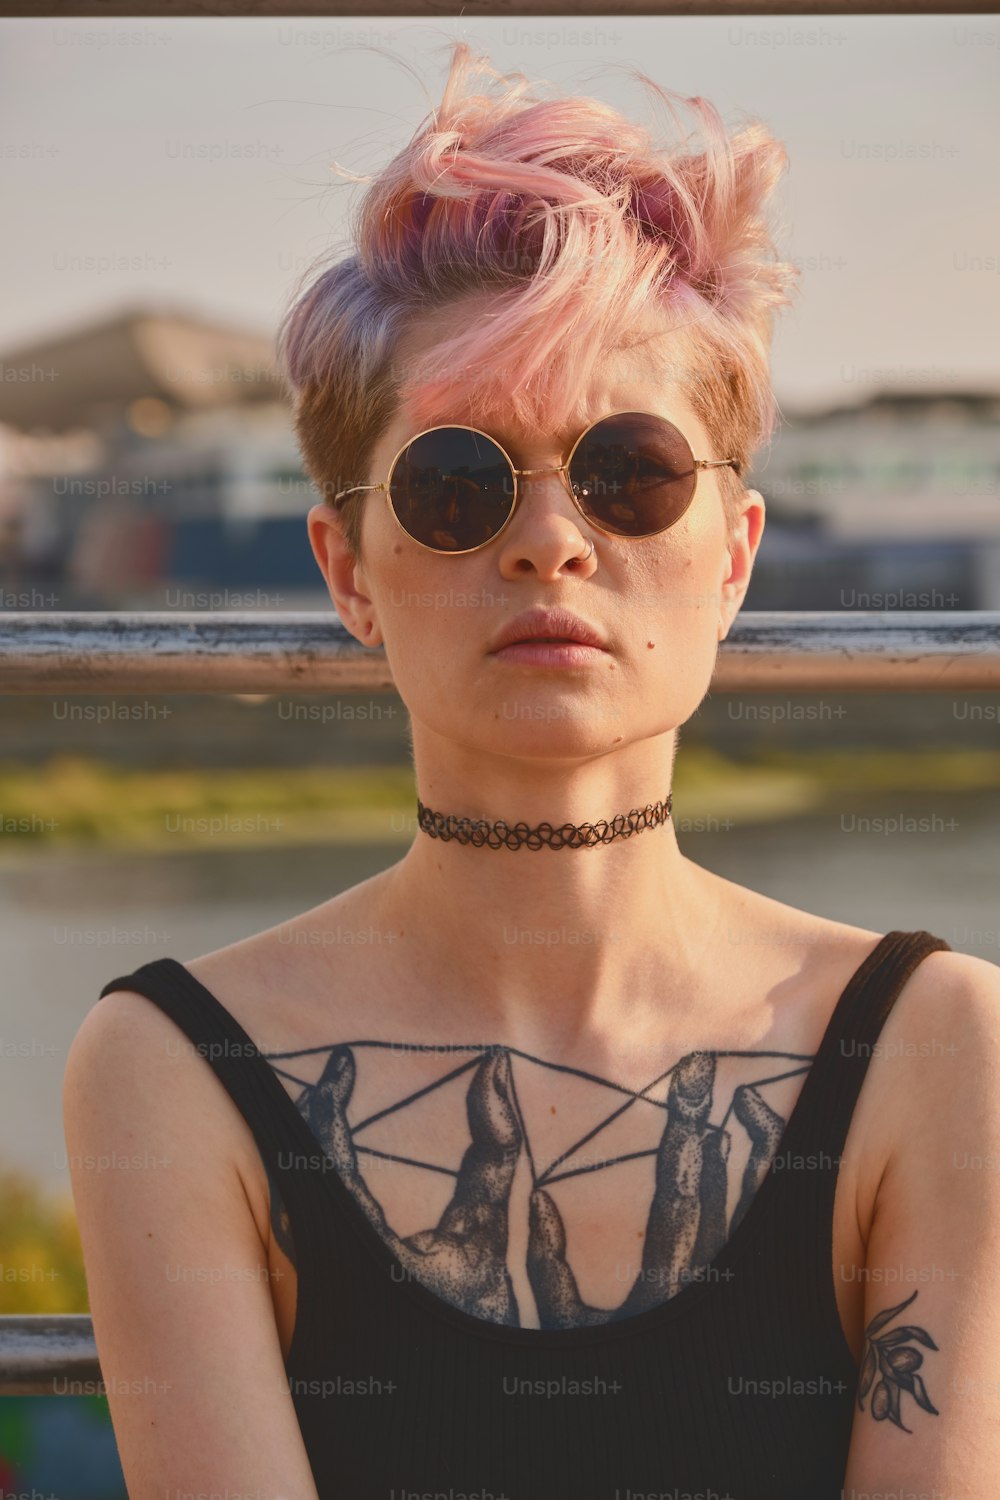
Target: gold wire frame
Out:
[385,486]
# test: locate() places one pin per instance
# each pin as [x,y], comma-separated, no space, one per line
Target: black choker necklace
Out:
[501,835]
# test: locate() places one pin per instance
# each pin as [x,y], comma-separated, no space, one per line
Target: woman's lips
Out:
[549,654]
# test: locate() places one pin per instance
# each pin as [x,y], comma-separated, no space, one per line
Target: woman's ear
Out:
[343,574]
[741,550]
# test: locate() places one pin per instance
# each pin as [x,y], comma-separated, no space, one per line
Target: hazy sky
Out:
[193,155]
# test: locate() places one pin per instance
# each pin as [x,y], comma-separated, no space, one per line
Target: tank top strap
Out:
[288,1148]
[826,1105]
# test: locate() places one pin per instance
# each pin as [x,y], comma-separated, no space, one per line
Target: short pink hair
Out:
[583,236]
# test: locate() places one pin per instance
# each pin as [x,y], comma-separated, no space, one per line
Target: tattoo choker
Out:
[501,835]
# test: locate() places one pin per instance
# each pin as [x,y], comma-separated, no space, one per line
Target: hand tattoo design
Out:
[897,1362]
[463,1258]
[687,1219]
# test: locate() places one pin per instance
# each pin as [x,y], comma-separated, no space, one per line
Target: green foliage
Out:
[88,802]
[41,1262]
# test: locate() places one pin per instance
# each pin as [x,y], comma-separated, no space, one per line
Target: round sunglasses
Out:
[454,489]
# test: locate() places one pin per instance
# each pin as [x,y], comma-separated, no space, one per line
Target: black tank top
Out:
[740,1386]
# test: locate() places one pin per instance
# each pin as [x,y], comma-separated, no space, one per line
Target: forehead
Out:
[649,372]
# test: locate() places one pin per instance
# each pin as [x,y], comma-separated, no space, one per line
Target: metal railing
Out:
[44,1354]
[311,651]
[568,10]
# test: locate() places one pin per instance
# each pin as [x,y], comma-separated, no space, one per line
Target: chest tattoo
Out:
[463,1258]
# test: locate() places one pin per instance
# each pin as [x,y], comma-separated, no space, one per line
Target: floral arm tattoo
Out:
[896,1361]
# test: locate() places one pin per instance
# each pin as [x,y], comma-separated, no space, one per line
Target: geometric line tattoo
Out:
[463,1259]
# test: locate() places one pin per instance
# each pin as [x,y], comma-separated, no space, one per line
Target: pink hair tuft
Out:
[583,236]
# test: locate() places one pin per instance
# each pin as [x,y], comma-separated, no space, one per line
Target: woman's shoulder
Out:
[282,981]
[783,952]
[780,951]
[943,983]
[809,942]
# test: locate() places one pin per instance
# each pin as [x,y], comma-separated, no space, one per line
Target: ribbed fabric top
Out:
[741,1386]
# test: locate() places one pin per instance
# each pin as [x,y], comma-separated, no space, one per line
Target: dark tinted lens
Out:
[452,489]
[634,474]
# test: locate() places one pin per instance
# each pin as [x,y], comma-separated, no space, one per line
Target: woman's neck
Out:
[507,937]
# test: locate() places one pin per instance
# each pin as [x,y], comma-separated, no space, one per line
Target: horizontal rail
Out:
[331,10]
[44,1354]
[311,652]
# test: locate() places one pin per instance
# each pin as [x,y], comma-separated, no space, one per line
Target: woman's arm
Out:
[177,1272]
[927,1409]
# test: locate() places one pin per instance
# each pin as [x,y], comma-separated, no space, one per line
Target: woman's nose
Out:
[545,533]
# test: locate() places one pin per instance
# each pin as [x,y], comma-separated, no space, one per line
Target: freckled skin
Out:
[673,580]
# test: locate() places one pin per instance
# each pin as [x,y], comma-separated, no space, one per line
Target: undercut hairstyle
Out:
[582,236]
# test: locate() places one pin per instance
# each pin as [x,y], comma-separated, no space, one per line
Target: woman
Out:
[570,1169]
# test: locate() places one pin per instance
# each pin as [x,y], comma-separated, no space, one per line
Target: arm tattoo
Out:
[897,1363]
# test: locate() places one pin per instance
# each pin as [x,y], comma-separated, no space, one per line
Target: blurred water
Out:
[74,920]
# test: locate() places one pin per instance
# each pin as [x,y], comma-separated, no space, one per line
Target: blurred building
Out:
[147,454]
[891,503]
[148,461]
